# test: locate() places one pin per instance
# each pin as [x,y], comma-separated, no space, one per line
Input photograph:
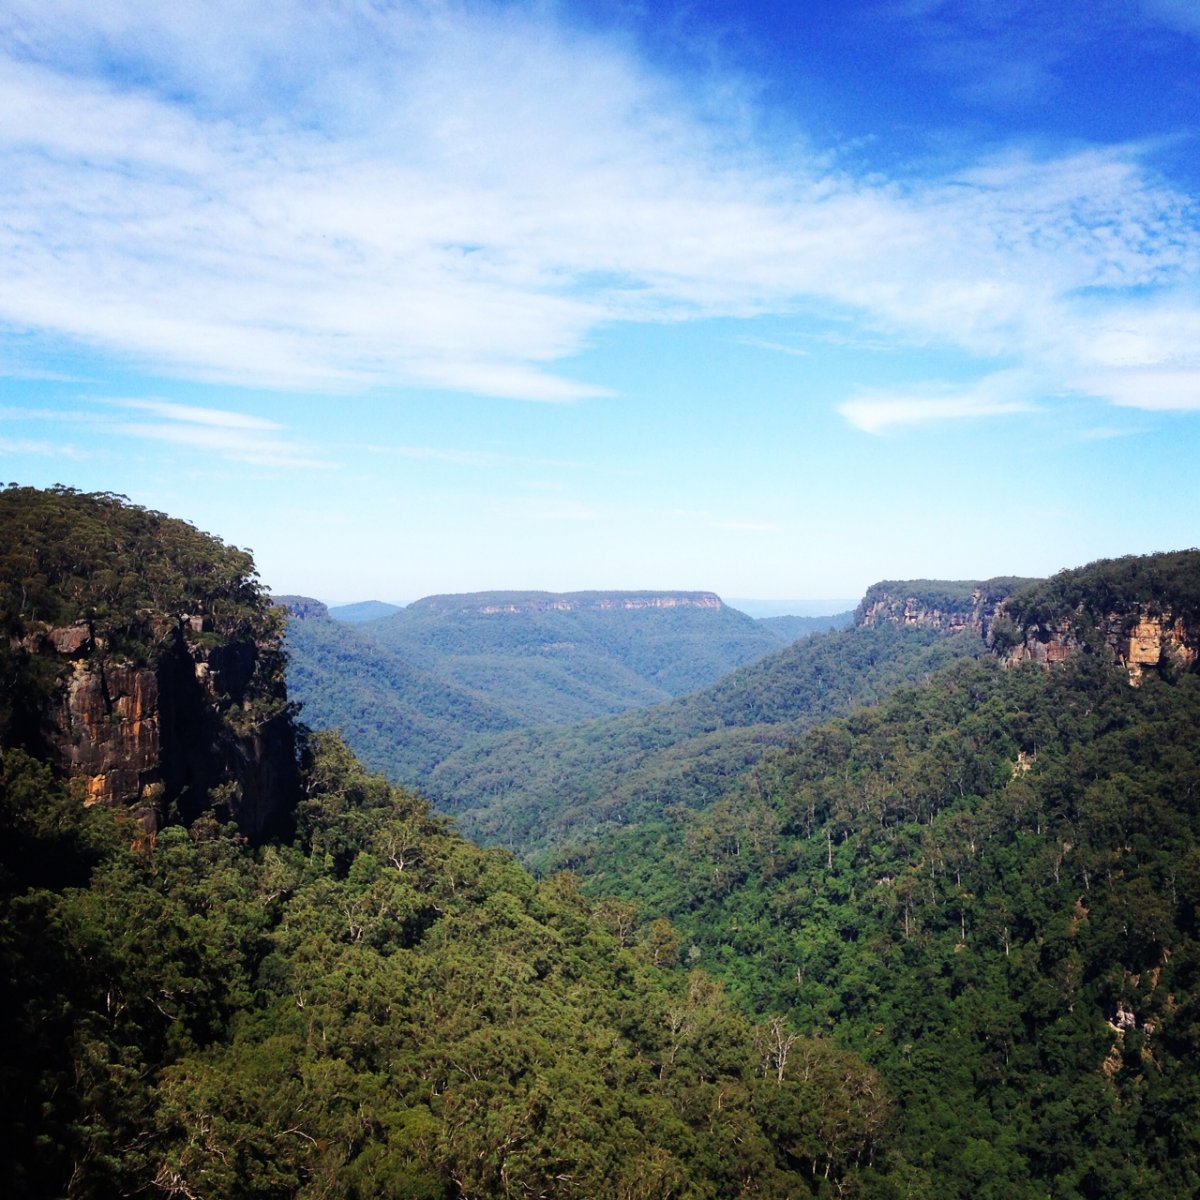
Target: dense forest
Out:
[368,1007]
[987,888]
[377,1008]
[399,719]
[945,945]
[516,658]
[542,792]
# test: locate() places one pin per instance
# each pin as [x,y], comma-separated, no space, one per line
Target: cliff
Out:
[949,605]
[160,692]
[302,608]
[1142,611]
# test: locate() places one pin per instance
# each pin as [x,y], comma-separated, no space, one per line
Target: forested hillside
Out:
[377,1009]
[410,689]
[793,628]
[544,792]
[544,658]
[942,948]
[398,718]
[987,887]
[367,1007]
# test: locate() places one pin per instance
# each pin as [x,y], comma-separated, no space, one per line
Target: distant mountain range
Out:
[412,685]
[364,610]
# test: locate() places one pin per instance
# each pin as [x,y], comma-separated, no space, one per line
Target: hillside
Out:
[364,610]
[987,887]
[363,1006]
[542,792]
[141,659]
[557,658]
[413,687]
[399,719]
[792,628]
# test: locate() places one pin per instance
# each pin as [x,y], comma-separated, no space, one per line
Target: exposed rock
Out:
[1139,638]
[301,608]
[1157,641]
[200,726]
[947,605]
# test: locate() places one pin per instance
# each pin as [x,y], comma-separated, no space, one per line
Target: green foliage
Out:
[987,888]
[99,594]
[552,789]
[1167,583]
[522,655]
[399,719]
[68,556]
[791,629]
[948,596]
[378,1009]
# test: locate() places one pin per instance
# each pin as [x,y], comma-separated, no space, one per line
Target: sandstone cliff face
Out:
[948,606]
[1140,639]
[202,725]
[912,611]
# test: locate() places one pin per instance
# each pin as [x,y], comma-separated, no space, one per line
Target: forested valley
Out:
[906,910]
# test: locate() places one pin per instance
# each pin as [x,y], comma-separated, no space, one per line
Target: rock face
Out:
[1140,639]
[201,726]
[302,608]
[950,606]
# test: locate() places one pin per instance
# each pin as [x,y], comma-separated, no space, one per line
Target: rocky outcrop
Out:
[302,608]
[1140,639]
[1139,611]
[204,724]
[950,606]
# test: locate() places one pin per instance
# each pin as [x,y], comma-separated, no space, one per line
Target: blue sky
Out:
[774,299]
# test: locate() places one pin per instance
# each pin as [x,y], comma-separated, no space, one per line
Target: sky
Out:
[774,299]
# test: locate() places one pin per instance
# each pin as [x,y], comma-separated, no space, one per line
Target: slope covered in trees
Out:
[988,888]
[558,658]
[377,1009]
[399,719]
[372,1007]
[143,657]
[410,690]
[543,792]
[958,934]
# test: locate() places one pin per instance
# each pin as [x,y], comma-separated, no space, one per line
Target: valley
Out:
[909,907]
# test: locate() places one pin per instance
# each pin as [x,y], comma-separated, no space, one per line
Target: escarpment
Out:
[158,690]
[1141,638]
[948,605]
[1141,611]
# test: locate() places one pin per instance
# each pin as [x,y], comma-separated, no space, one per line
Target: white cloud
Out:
[338,198]
[1151,389]
[194,415]
[1002,394]
[41,449]
[230,435]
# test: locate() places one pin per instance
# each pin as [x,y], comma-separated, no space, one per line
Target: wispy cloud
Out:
[1176,14]
[1156,389]
[190,414]
[337,198]
[776,347]
[1002,394]
[42,449]
[234,436]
